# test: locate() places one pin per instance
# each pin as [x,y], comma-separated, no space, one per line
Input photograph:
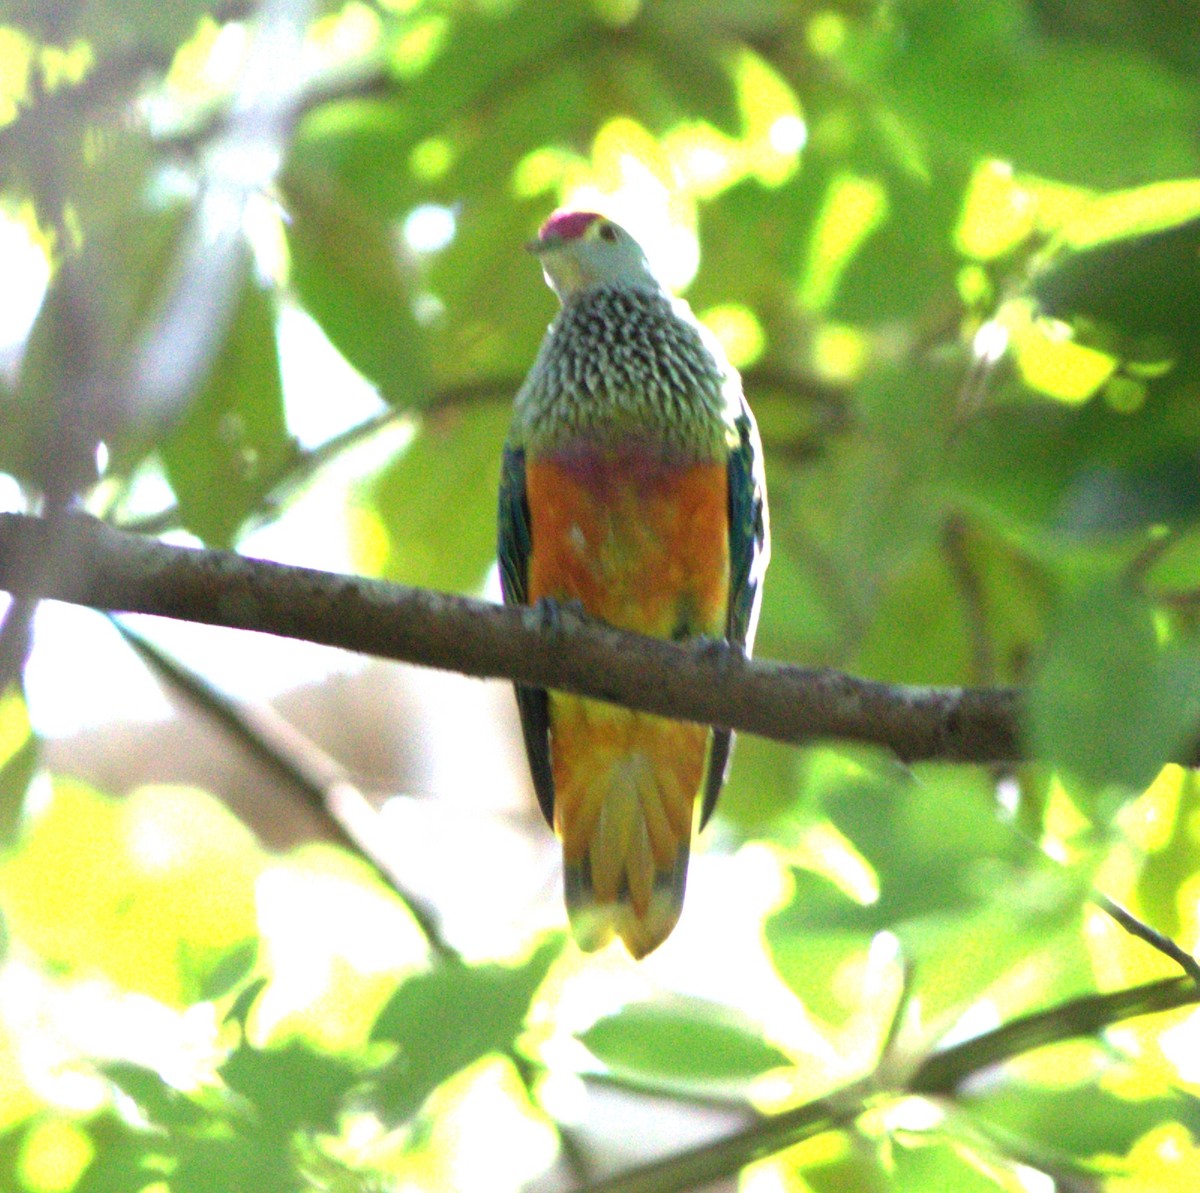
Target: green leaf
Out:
[1175,571]
[761,785]
[1129,215]
[1162,826]
[689,70]
[232,444]
[437,502]
[161,1103]
[127,1159]
[980,78]
[682,1041]
[239,1012]
[237,1164]
[850,1163]
[919,634]
[491,51]
[906,265]
[19,751]
[1107,705]
[1141,290]
[292,1087]
[1077,1121]
[921,1164]
[965,895]
[450,1017]
[231,970]
[1070,478]
[346,269]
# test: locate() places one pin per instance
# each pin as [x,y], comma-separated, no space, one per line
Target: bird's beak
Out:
[539,245]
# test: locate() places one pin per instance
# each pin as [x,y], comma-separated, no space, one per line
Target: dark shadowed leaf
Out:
[346,269]
[1142,289]
[438,500]
[1108,705]
[233,441]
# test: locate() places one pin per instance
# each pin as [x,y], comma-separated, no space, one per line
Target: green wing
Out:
[513,547]
[749,551]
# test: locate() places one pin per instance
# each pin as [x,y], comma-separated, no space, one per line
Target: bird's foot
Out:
[715,649]
[547,612]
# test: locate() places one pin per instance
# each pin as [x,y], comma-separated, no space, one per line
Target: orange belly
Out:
[648,552]
[644,545]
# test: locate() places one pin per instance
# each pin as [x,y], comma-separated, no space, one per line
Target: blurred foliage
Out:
[955,247]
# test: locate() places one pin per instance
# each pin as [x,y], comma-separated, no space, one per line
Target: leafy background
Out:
[264,289]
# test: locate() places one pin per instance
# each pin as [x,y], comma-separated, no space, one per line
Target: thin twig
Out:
[944,1071]
[1139,928]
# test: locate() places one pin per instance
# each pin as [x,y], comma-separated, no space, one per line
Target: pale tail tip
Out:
[595,924]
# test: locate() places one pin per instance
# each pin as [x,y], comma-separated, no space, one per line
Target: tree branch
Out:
[703,681]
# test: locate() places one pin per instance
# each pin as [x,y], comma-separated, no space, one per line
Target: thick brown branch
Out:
[705,682]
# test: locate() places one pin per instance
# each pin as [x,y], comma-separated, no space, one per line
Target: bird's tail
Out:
[625,787]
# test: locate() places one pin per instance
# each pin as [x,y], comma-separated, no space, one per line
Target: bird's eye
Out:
[608,232]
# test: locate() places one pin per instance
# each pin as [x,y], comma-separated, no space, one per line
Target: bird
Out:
[632,486]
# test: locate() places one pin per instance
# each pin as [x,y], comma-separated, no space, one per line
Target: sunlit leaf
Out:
[851,211]
[152,891]
[1078,1121]
[54,1154]
[922,1165]
[998,213]
[682,1042]
[447,1018]
[963,894]
[1134,213]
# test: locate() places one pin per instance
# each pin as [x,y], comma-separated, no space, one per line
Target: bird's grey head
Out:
[580,250]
